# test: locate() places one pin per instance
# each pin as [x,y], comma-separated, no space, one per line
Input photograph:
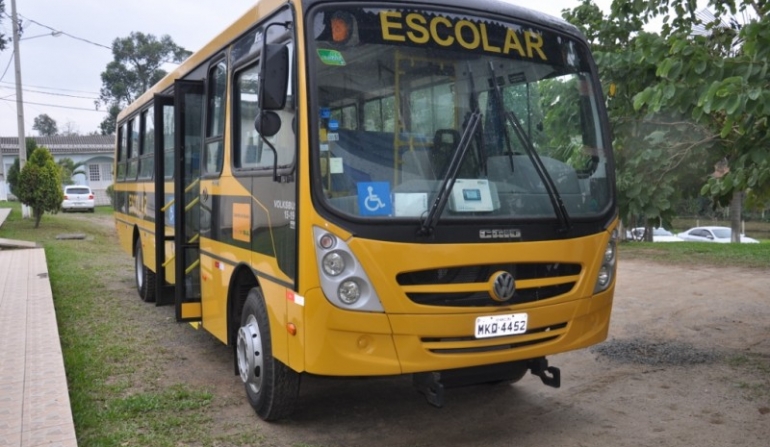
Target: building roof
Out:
[61,145]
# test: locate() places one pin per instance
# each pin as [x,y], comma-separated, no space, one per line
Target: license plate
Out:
[500,325]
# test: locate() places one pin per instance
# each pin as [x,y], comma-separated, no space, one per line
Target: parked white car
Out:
[78,198]
[658,235]
[713,234]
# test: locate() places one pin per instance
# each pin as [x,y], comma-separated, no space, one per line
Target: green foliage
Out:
[13,171]
[70,169]
[135,68]
[39,184]
[693,95]
[45,125]
[111,193]
[3,39]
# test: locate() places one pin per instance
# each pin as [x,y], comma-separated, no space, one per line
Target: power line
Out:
[57,32]
[54,105]
[65,33]
[52,88]
[13,54]
[55,94]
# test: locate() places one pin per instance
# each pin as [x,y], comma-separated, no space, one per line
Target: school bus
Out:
[347,188]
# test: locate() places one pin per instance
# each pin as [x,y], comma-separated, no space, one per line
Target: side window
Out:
[347,117]
[122,153]
[215,123]
[250,152]
[249,149]
[168,141]
[133,150]
[147,162]
[378,115]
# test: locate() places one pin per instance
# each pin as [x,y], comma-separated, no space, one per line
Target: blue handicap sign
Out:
[325,112]
[374,199]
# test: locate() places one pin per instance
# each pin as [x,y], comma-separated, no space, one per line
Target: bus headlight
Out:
[333,264]
[349,292]
[604,276]
[609,264]
[343,279]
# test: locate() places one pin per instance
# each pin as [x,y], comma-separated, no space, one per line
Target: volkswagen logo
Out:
[503,286]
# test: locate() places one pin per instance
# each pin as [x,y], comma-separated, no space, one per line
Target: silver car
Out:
[713,234]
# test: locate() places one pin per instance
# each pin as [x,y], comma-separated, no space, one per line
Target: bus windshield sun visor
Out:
[537,162]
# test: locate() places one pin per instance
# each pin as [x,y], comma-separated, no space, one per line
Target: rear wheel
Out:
[271,387]
[145,278]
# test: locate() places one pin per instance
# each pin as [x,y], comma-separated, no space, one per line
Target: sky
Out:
[61,74]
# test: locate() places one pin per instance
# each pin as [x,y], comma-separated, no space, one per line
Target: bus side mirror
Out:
[268,123]
[275,77]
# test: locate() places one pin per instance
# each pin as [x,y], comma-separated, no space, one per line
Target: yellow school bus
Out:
[346,188]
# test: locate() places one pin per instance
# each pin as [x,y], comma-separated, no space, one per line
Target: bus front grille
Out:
[480,274]
[470,344]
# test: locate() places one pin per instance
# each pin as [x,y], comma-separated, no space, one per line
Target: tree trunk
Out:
[38,215]
[736,206]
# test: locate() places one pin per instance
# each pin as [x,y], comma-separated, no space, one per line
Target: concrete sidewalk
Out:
[34,398]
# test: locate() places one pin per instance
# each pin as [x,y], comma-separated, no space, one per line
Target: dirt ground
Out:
[686,363]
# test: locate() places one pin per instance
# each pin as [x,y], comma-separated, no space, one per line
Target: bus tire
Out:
[145,278]
[271,387]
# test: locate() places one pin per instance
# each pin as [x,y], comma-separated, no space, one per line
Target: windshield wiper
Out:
[534,157]
[426,229]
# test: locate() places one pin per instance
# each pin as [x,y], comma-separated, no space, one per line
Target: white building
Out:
[97,152]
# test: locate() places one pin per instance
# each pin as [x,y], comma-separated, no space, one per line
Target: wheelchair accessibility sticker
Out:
[374,199]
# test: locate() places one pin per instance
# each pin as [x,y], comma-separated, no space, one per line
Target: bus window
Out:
[248,151]
[168,142]
[133,151]
[122,152]
[379,115]
[147,162]
[432,109]
[215,126]
[347,117]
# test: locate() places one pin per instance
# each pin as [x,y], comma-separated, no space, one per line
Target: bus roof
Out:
[265,7]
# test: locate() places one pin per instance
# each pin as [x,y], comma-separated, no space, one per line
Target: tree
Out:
[655,153]
[3,39]
[70,129]
[70,169]
[715,70]
[39,184]
[706,93]
[136,67]
[45,126]
[13,171]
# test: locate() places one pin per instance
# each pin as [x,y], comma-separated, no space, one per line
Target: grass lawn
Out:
[115,398]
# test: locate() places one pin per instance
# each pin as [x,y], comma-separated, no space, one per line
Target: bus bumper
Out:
[346,343]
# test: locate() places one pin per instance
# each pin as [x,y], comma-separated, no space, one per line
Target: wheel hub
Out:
[249,350]
[139,269]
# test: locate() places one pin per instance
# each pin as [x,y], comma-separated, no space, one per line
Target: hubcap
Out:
[139,269]
[250,355]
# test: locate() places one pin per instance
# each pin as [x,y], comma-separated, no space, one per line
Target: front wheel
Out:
[145,278]
[271,387]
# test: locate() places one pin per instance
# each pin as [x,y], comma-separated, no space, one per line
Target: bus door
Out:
[164,199]
[188,104]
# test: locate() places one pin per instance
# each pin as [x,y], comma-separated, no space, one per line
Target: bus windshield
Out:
[427,112]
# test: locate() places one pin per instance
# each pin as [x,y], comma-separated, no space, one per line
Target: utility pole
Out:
[19,99]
